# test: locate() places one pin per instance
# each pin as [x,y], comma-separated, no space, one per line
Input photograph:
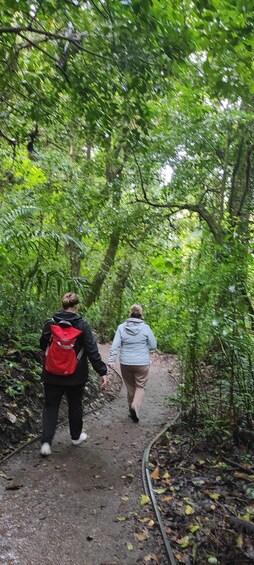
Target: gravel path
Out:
[65,509]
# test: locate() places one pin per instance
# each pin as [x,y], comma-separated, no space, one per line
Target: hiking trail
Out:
[78,506]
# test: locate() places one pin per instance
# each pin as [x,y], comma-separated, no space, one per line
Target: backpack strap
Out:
[80,353]
[64,323]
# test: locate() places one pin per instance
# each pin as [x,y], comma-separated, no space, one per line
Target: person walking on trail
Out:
[68,343]
[133,339]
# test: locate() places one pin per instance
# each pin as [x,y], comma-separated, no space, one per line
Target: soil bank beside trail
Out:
[64,510]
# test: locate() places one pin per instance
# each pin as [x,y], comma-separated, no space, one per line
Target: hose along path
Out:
[149,492]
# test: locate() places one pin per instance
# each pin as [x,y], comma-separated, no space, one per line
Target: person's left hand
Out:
[103,382]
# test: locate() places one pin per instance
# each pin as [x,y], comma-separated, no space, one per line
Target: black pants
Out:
[53,397]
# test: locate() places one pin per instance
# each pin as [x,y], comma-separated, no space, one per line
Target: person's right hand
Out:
[103,382]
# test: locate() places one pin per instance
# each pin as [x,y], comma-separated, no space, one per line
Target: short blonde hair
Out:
[136,311]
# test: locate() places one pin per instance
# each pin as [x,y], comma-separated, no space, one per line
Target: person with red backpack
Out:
[68,343]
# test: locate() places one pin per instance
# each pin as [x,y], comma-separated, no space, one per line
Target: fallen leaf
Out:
[144,499]
[156,473]
[193,528]
[142,537]
[11,417]
[198,482]
[244,476]
[129,546]
[239,542]
[250,509]
[167,498]
[246,516]
[122,518]
[160,490]
[143,520]
[150,523]
[4,476]
[124,498]
[213,495]
[221,465]
[183,542]
[189,510]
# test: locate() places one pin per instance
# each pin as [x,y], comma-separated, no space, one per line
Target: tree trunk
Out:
[108,261]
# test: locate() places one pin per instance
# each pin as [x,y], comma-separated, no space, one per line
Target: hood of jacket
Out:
[67,316]
[133,326]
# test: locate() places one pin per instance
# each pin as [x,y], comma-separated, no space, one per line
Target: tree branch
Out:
[234,175]
[204,215]
[141,180]
[37,46]
[47,55]
[11,141]
[200,210]
[73,39]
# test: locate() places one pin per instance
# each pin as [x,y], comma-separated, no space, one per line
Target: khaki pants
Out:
[135,379]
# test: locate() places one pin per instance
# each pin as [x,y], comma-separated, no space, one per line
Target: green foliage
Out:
[97,101]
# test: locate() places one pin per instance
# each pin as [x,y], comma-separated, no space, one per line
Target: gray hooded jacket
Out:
[133,339]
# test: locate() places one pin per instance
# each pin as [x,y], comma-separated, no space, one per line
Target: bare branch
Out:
[141,180]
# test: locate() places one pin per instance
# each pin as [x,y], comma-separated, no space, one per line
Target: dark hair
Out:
[69,300]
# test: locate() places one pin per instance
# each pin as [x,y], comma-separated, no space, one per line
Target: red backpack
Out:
[60,356]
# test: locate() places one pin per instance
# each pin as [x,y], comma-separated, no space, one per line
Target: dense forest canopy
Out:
[127,175]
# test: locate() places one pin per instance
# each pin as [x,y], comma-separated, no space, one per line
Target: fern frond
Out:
[11,217]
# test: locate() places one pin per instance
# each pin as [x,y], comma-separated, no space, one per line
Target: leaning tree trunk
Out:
[107,263]
[113,168]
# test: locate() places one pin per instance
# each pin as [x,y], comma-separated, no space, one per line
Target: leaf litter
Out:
[205,497]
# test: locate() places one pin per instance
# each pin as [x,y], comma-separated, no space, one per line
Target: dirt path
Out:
[65,508]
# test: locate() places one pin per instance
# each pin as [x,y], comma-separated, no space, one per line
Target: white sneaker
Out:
[81,438]
[45,449]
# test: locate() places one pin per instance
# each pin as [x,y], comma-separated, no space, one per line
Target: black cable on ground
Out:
[148,487]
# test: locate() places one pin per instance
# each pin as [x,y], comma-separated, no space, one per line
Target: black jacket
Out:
[86,340]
